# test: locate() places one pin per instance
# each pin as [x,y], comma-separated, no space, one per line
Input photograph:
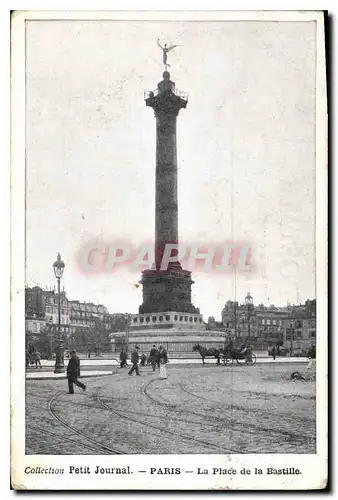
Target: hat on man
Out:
[136,347]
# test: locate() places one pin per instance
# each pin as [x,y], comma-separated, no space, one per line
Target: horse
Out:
[207,353]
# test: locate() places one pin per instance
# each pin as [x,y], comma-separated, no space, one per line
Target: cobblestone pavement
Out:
[210,409]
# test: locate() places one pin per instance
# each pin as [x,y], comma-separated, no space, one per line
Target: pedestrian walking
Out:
[248,354]
[123,359]
[73,372]
[311,367]
[153,355]
[273,352]
[163,354]
[163,358]
[37,359]
[163,370]
[312,352]
[134,359]
[143,359]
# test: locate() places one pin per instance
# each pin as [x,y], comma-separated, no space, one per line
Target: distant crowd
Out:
[33,357]
[157,357]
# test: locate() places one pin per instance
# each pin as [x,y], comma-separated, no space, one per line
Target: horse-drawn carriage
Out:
[241,356]
[228,355]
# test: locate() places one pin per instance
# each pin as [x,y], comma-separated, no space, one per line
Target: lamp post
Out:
[127,320]
[249,311]
[292,336]
[59,267]
[243,321]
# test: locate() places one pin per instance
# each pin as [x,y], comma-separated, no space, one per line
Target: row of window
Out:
[155,319]
[50,310]
[297,324]
[63,319]
[271,322]
[79,322]
[55,301]
[300,335]
[34,327]
[79,314]
[301,324]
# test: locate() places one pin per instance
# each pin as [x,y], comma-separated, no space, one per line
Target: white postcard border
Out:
[313,467]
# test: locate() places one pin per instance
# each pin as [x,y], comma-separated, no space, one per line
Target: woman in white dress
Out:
[163,361]
[163,370]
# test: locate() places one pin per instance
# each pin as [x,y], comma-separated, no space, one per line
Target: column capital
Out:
[166,103]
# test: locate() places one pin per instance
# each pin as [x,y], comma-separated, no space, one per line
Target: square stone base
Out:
[167,291]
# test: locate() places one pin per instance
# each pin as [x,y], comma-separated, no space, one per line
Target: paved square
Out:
[210,409]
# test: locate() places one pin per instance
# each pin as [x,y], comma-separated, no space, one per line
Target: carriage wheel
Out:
[253,362]
[228,361]
[241,361]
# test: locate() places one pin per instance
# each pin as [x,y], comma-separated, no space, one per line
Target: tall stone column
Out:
[166,207]
[166,105]
[169,289]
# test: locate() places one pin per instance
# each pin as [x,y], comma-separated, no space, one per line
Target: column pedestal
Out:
[167,291]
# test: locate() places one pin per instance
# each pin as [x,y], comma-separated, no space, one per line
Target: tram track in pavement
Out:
[185,437]
[263,413]
[64,438]
[244,409]
[106,450]
[230,423]
[209,420]
[175,407]
[35,408]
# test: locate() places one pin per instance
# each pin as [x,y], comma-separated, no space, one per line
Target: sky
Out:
[246,151]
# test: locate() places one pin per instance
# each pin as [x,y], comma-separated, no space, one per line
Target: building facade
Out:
[292,326]
[300,328]
[52,310]
[87,315]
[263,325]
[78,320]
[35,302]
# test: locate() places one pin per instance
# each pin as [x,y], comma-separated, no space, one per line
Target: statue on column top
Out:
[165,50]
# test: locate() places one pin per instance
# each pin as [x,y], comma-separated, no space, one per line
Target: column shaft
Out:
[166,207]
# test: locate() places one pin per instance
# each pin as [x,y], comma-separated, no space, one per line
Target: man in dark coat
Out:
[153,355]
[73,372]
[312,352]
[37,359]
[134,359]
[143,359]
[273,352]
[123,358]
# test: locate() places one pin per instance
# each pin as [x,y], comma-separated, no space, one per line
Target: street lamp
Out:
[243,321]
[292,336]
[59,267]
[127,320]
[249,311]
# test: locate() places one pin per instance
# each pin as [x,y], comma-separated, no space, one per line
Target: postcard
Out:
[169,242]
